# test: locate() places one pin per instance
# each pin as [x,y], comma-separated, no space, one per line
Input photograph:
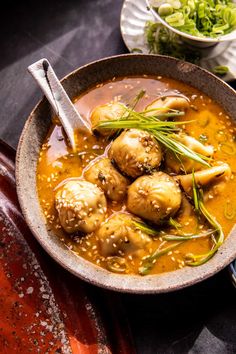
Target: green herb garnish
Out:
[187,236]
[171,142]
[174,223]
[150,261]
[220,70]
[162,131]
[136,50]
[200,18]
[161,40]
[136,99]
[153,232]
[196,260]
[145,228]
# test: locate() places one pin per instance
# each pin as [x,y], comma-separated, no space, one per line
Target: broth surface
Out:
[57,163]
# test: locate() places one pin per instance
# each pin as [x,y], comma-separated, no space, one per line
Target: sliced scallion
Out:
[201,18]
[196,260]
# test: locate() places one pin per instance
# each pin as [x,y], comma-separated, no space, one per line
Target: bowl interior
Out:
[35,131]
[193,40]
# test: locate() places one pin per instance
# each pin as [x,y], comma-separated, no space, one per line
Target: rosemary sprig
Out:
[196,260]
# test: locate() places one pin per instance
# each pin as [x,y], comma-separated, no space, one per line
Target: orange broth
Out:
[57,163]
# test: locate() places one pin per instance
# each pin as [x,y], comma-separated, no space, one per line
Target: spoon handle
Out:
[69,117]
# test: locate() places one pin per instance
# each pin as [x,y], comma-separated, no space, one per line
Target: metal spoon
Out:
[69,117]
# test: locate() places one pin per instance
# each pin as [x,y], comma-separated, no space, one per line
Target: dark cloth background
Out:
[200,319]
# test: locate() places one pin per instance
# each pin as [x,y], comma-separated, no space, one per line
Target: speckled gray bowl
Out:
[35,131]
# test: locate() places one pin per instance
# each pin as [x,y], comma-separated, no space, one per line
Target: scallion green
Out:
[200,18]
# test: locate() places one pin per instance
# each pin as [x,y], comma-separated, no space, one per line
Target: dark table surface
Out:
[200,319]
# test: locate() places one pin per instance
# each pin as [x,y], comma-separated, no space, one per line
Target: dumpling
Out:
[81,206]
[218,174]
[164,104]
[155,197]
[105,175]
[119,236]
[135,152]
[108,111]
[184,164]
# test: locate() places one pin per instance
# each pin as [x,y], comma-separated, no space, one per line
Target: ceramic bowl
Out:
[32,138]
[193,40]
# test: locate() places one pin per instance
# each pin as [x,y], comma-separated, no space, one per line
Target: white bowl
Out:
[202,42]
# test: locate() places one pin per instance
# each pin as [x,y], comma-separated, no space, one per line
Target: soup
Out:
[151,190]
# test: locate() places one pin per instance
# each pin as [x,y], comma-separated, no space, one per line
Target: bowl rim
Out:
[149,284]
[224,38]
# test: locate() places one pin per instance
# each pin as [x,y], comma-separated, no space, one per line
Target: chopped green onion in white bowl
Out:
[200,22]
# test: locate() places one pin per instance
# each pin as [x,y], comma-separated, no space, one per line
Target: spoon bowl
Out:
[69,117]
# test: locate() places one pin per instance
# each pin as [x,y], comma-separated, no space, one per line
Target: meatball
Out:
[109,111]
[164,104]
[154,197]
[118,236]
[81,206]
[135,152]
[184,164]
[104,175]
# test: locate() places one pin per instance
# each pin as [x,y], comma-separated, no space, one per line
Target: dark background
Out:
[200,319]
